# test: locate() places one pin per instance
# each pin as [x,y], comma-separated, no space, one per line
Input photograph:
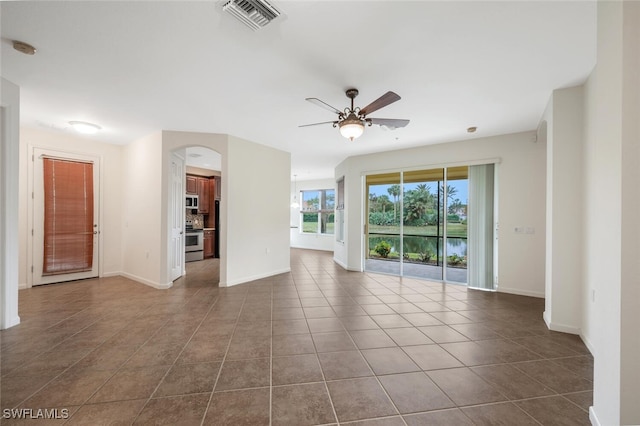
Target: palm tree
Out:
[451,192]
[455,206]
[384,201]
[373,202]
[394,191]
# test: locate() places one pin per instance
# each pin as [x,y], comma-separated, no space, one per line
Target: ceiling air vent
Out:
[253,13]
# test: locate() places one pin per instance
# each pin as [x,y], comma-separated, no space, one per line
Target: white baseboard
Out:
[146,281]
[22,286]
[297,246]
[519,292]
[11,322]
[345,266]
[340,263]
[593,417]
[562,328]
[111,274]
[254,277]
[588,344]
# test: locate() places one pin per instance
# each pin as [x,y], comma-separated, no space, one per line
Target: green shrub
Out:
[425,257]
[382,218]
[453,218]
[383,248]
[454,259]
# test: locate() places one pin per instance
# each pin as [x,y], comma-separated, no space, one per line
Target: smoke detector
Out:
[255,14]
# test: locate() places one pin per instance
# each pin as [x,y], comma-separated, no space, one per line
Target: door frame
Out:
[175,156]
[31,205]
[365,211]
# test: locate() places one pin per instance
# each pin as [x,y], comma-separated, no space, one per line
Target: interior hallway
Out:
[319,345]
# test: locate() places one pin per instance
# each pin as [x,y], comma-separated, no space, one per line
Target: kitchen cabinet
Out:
[208,243]
[211,217]
[203,195]
[192,185]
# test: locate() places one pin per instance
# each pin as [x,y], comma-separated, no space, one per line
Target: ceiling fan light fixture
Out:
[84,127]
[295,204]
[351,127]
[352,120]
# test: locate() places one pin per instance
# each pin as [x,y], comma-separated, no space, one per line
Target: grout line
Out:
[127,360]
[271,364]
[224,358]
[317,278]
[72,365]
[374,375]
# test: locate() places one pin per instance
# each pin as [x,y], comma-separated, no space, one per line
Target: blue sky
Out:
[460,185]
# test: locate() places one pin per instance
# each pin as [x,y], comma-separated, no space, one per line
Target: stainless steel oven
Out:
[194,245]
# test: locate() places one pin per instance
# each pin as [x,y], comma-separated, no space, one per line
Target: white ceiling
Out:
[138,67]
[203,158]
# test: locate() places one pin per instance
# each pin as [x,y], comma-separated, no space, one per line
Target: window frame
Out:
[322,196]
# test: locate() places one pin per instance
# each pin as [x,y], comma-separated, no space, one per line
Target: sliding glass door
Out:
[423,224]
[456,203]
[383,235]
[417,224]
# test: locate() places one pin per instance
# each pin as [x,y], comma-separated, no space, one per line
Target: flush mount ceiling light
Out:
[23,47]
[84,127]
[352,120]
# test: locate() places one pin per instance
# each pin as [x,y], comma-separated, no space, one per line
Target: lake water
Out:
[412,244]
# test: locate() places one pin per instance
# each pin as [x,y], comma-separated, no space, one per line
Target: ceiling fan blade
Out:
[317,124]
[389,122]
[324,105]
[381,102]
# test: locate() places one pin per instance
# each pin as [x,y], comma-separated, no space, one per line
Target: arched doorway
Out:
[194,200]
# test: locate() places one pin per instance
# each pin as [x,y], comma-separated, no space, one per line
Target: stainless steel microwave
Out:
[191,202]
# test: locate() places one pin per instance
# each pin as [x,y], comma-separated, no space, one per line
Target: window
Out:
[317,211]
[340,211]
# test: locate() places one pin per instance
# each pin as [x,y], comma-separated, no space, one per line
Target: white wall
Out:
[9,175]
[309,241]
[521,200]
[630,226]
[605,231]
[257,193]
[110,261]
[563,278]
[592,213]
[612,203]
[142,193]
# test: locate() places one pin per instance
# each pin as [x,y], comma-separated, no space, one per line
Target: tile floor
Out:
[317,346]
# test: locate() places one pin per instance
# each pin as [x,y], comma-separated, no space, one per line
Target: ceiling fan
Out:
[352,120]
